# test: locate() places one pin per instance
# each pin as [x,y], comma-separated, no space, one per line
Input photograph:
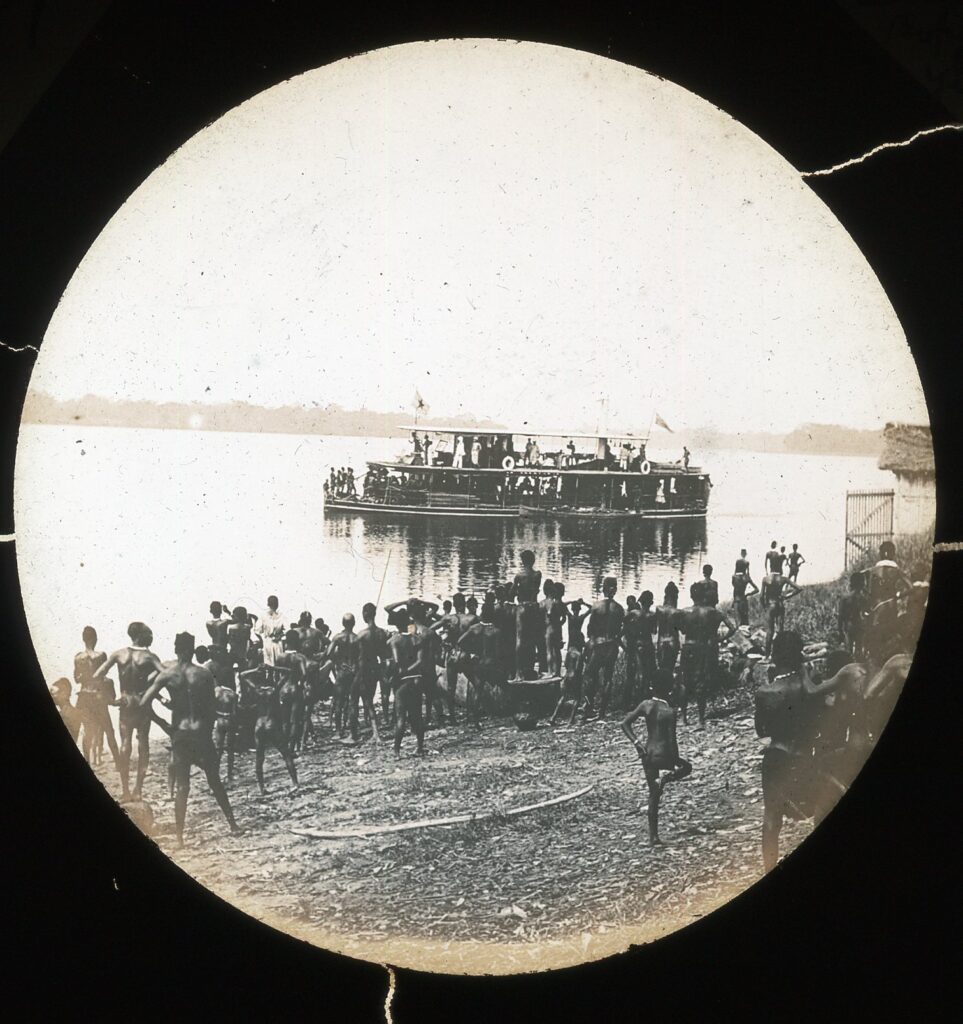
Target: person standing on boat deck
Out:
[458,456]
[476,449]
[352,490]
[625,453]
[795,561]
[685,457]
[536,455]
[570,458]
[271,629]
[426,444]
[415,448]
[529,444]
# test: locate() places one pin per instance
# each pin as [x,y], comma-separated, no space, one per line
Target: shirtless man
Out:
[784,708]
[773,565]
[742,563]
[481,640]
[504,619]
[239,637]
[556,616]
[637,643]
[60,692]
[699,660]
[192,704]
[795,561]
[457,659]
[577,612]
[374,656]
[225,725]
[217,626]
[268,732]
[667,630]
[886,585]
[93,699]
[602,649]
[660,751]
[571,688]
[428,655]
[525,590]
[741,581]
[137,667]
[780,591]
[407,665]
[291,690]
[852,613]
[710,588]
[344,656]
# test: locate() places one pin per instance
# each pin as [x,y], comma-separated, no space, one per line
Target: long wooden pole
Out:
[383,578]
[457,819]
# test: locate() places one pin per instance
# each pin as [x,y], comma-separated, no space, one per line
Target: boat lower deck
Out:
[360,506]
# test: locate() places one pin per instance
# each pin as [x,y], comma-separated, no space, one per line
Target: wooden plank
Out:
[457,819]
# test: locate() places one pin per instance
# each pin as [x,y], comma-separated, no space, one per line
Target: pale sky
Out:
[514,229]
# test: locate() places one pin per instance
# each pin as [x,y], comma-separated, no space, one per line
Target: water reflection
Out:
[437,556]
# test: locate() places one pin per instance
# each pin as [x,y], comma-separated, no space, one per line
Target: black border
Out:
[843,927]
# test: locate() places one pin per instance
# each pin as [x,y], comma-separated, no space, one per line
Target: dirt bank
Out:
[551,887]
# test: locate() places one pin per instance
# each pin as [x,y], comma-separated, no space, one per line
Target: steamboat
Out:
[479,472]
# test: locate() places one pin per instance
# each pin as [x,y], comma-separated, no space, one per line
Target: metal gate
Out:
[869,521]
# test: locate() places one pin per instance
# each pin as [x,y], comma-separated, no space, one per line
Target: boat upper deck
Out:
[489,450]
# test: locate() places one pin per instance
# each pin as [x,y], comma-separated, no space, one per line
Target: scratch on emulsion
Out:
[19,348]
[879,149]
[389,998]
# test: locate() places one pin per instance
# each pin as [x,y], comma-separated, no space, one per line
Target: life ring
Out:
[645,468]
[508,462]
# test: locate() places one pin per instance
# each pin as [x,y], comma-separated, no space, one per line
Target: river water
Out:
[119,524]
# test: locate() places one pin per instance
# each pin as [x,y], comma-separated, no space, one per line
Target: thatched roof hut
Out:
[908,450]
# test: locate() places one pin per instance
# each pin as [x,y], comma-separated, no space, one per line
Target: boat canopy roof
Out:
[526,432]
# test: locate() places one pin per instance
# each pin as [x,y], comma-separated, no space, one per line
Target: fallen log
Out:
[456,819]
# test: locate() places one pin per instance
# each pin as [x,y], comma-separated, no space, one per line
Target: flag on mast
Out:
[659,422]
[420,405]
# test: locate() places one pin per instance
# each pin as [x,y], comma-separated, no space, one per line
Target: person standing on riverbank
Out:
[660,751]
[795,561]
[271,630]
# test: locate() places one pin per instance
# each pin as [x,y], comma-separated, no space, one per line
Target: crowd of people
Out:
[260,682]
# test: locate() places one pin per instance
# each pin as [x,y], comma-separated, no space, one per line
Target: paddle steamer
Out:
[479,472]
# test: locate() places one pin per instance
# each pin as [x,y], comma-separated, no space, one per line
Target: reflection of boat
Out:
[478,472]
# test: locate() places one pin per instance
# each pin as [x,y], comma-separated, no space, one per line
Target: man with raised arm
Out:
[457,659]
[795,561]
[192,704]
[780,591]
[741,582]
[137,667]
[481,640]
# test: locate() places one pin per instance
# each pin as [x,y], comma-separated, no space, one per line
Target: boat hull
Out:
[358,506]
